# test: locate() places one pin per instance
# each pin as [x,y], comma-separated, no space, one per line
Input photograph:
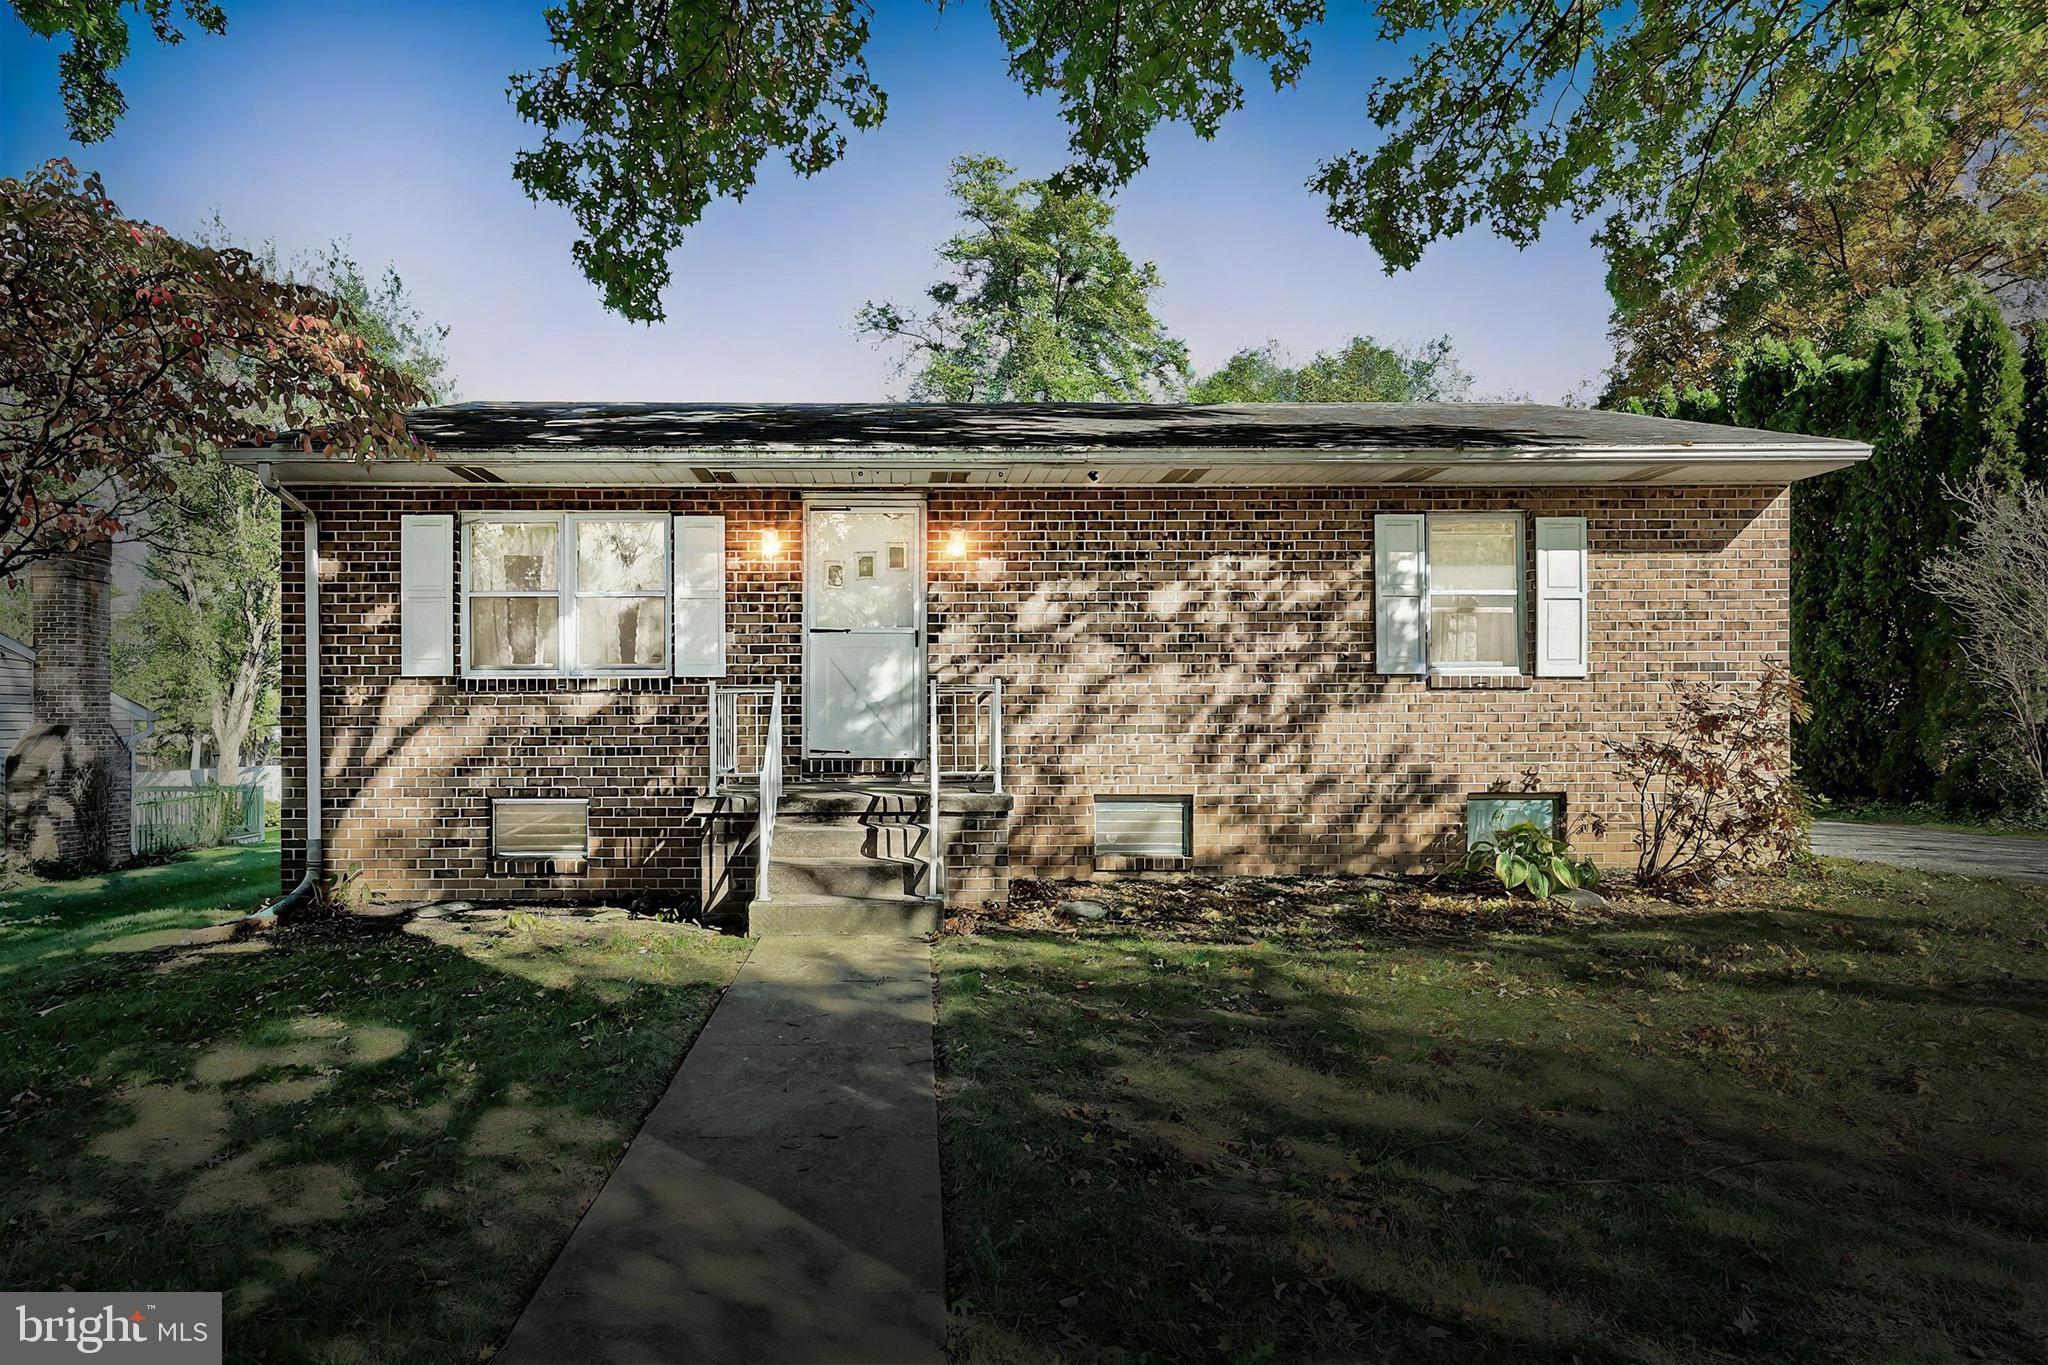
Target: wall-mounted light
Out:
[956,545]
[771,543]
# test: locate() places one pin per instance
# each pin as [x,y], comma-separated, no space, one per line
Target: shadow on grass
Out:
[1684,1137]
[372,1137]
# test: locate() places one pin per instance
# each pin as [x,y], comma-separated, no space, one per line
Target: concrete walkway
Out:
[781,1203]
[1935,850]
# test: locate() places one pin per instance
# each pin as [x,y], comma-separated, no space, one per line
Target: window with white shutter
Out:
[548,594]
[426,595]
[1561,617]
[700,597]
[1450,594]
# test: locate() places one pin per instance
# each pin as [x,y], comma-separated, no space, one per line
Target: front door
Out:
[863,630]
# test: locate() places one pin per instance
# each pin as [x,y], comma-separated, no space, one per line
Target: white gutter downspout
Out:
[314,843]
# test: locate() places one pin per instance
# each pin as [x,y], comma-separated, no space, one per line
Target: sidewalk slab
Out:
[781,1202]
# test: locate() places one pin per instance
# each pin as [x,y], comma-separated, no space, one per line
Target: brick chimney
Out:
[68,778]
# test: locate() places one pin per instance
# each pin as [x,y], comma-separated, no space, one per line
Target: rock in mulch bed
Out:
[1243,909]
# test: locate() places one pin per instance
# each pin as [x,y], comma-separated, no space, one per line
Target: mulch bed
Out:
[1220,909]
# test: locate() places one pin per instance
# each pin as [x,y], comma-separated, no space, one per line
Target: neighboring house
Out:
[17,708]
[1258,639]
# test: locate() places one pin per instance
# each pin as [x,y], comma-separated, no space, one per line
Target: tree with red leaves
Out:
[127,354]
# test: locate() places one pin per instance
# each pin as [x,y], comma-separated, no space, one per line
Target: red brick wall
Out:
[1217,643]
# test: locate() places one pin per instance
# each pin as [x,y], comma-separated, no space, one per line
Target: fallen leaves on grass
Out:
[1221,909]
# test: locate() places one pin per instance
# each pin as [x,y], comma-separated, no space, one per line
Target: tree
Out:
[1039,303]
[1968,212]
[1996,581]
[1510,112]
[658,108]
[380,310]
[1657,116]
[1942,399]
[202,645]
[98,31]
[126,354]
[1360,371]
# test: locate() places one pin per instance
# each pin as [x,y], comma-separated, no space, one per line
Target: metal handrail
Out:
[770,792]
[976,747]
[935,872]
[725,741]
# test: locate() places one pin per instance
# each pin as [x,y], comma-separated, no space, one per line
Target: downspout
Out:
[303,892]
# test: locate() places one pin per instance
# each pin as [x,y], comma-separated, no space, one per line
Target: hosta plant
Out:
[1526,858]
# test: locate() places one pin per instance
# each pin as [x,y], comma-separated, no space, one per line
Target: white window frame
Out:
[551,855]
[567,664]
[1521,594]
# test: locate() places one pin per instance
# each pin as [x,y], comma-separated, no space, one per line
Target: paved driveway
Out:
[1935,850]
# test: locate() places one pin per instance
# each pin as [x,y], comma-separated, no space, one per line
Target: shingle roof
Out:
[1025,427]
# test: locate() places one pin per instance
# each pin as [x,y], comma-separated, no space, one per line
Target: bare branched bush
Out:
[1717,793]
[1996,580]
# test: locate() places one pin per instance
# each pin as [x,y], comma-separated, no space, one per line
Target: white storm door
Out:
[863,631]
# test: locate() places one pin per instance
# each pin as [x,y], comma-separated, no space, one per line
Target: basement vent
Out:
[714,475]
[543,828]
[947,476]
[1182,475]
[470,473]
[1144,827]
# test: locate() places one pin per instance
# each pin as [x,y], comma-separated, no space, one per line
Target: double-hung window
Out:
[576,594]
[1451,594]
[1475,592]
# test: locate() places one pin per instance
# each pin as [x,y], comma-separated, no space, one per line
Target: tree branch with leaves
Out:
[127,355]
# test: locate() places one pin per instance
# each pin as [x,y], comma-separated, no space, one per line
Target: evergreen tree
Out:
[1942,398]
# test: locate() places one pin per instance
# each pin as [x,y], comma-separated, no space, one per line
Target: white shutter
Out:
[1398,579]
[1561,618]
[426,595]
[700,597]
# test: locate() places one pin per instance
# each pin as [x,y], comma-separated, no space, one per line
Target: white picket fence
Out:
[168,819]
[149,781]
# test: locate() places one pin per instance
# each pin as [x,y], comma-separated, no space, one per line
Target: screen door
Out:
[864,631]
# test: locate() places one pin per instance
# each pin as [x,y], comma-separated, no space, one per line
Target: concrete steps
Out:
[848,860]
[854,876]
[894,916]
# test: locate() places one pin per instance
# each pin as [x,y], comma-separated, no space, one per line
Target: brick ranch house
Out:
[645,651]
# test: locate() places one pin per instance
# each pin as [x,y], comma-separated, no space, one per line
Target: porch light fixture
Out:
[956,545]
[771,543]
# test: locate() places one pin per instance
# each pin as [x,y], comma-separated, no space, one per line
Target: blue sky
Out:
[388,124]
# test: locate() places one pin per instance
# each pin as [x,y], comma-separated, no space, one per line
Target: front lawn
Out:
[1809,1126]
[372,1136]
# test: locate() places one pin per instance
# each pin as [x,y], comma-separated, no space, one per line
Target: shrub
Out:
[1718,793]
[1525,858]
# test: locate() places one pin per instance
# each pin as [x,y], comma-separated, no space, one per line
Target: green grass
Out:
[49,923]
[1930,817]
[372,1136]
[1805,1127]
